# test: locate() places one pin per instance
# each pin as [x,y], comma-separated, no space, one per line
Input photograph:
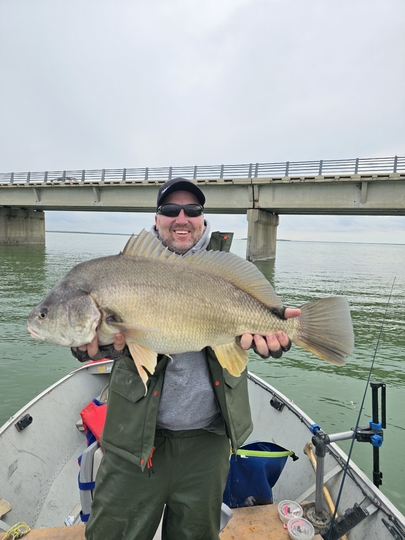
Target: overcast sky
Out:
[132,83]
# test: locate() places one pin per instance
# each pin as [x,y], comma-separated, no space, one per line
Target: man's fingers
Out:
[119,342]
[91,351]
[273,344]
[275,348]
[246,341]
[266,346]
[289,313]
[283,340]
[92,347]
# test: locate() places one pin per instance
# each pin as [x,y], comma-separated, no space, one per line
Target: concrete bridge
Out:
[262,191]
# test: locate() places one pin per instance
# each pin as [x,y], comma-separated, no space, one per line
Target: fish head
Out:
[63,318]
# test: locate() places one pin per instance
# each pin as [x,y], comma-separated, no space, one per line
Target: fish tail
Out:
[325,329]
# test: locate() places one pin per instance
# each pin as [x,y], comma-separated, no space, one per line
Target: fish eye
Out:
[43,313]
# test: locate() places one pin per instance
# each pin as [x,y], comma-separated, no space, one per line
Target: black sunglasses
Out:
[173,210]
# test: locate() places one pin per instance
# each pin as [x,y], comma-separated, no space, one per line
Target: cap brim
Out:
[182,185]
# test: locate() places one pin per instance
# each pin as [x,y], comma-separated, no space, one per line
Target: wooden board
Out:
[250,523]
[256,523]
[5,507]
[76,532]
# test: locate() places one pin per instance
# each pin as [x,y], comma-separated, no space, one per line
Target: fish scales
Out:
[144,292]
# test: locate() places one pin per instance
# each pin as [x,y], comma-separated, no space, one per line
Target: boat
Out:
[41,444]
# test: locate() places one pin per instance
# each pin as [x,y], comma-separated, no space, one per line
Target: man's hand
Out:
[273,344]
[91,351]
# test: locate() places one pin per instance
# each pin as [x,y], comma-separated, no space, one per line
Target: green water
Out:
[302,271]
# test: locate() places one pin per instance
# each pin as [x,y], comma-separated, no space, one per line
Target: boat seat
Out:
[90,462]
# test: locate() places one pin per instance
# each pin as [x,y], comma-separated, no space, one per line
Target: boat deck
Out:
[250,523]
[256,523]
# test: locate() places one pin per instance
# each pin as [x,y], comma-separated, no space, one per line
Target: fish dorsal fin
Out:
[146,245]
[237,271]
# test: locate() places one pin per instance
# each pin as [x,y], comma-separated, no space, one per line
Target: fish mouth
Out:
[35,334]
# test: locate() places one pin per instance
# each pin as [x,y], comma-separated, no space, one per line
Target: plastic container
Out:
[288,510]
[300,529]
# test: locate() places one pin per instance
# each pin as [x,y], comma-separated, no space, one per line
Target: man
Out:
[168,451]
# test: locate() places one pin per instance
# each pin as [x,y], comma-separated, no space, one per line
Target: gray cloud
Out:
[112,84]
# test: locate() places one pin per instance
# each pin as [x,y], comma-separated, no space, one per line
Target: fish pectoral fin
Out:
[232,357]
[143,358]
[131,331]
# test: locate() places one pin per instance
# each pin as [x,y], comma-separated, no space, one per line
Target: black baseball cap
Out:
[179,184]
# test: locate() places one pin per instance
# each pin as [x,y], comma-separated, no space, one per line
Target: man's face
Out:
[180,233]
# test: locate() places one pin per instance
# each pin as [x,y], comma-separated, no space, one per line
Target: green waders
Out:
[188,474]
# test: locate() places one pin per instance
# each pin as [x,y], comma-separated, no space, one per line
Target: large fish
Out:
[166,303]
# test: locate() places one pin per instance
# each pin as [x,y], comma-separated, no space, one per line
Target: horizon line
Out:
[278,239]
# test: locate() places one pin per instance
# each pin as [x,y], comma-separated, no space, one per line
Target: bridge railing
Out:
[382,165]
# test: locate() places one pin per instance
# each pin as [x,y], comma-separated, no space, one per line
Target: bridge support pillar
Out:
[21,226]
[262,235]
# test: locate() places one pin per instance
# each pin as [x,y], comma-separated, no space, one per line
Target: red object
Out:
[93,417]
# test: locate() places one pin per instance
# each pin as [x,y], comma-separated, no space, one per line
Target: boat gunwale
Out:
[307,420]
[48,390]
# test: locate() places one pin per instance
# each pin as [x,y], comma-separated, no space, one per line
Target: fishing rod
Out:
[335,528]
